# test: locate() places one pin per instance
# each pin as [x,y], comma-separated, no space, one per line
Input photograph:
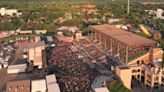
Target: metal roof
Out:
[52,84]
[125,37]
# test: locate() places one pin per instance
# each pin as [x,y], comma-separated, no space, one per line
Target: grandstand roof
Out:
[125,37]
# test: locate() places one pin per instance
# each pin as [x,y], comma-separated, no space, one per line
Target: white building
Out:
[16,68]
[52,84]
[38,86]
[159,13]
[35,53]
[10,12]
[69,28]
[40,31]
[37,39]
[51,78]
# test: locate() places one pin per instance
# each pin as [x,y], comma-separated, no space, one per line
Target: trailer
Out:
[16,68]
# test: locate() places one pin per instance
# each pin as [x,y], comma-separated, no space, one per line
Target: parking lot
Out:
[7,54]
[11,55]
[10,77]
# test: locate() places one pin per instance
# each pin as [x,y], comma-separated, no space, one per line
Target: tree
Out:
[67,33]
[16,23]
[116,86]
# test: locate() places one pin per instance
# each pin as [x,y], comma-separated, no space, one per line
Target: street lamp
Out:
[128,7]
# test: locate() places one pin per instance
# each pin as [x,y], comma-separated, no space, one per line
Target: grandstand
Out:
[122,45]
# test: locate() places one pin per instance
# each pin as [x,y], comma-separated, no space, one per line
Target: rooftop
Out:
[123,67]
[103,89]
[33,45]
[38,85]
[51,78]
[125,37]
[20,66]
[18,86]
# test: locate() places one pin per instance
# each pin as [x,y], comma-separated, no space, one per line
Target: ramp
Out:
[145,30]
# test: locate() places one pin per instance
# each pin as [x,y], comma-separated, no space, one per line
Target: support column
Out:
[126,54]
[111,47]
[118,50]
[160,78]
[100,37]
[145,80]
[91,35]
[140,78]
[152,81]
[105,44]
[95,35]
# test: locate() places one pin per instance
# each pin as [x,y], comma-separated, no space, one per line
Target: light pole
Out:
[128,7]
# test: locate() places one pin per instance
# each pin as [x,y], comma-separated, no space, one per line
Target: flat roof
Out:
[102,89]
[18,66]
[125,37]
[38,85]
[18,86]
[52,84]
[53,87]
[51,78]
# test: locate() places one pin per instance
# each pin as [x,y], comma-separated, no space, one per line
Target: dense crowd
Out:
[91,49]
[75,84]
[77,78]
[78,75]
[1,46]
[133,53]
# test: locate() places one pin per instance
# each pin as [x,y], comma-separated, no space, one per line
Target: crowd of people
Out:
[82,42]
[134,52]
[91,49]
[78,74]
[1,45]
[75,84]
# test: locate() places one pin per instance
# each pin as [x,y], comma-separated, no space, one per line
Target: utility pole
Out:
[128,7]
